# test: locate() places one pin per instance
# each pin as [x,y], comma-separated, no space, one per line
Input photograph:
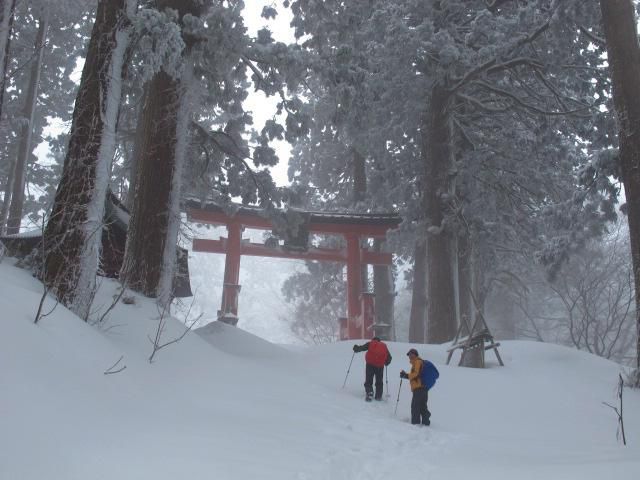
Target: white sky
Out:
[263,107]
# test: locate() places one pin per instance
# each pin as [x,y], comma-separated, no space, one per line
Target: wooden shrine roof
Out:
[374,224]
[114,237]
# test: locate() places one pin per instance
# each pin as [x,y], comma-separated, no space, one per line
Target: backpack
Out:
[376,354]
[429,374]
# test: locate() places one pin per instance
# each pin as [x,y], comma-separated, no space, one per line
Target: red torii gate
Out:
[359,322]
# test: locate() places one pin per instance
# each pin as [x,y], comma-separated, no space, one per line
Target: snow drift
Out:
[224,404]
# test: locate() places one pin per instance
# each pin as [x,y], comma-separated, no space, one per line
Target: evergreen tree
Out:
[209,124]
[318,297]
[153,229]
[40,93]
[72,237]
[7,9]
[26,145]
[436,72]
[619,22]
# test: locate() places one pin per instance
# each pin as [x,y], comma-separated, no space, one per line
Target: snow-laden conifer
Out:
[73,233]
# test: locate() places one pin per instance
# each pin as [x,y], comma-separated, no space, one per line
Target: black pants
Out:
[371,372]
[419,410]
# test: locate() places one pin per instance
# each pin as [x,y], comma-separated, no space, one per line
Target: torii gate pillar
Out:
[229,309]
[359,322]
[355,322]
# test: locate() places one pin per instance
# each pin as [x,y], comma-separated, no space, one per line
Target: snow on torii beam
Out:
[363,225]
[352,227]
[261,250]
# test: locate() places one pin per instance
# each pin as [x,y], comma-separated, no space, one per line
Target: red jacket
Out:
[377,353]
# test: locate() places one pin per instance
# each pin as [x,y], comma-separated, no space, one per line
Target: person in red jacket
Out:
[376,359]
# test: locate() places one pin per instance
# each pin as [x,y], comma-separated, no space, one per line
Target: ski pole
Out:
[386,371]
[348,370]
[396,410]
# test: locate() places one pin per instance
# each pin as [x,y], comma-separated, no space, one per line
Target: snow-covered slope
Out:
[225,404]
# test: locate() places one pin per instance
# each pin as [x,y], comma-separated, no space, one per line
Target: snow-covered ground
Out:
[225,404]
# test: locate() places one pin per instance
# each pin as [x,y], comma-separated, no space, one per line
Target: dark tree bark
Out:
[4,212]
[465,280]
[418,315]
[150,253]
[359,173]
[438,163]
[74,230]
[150,211]
[133,161]
[384,290]
[623,51]
[359,176]
[475,357]
[7,10]
[26,148]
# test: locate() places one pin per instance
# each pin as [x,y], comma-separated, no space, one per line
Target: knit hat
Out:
[414,351]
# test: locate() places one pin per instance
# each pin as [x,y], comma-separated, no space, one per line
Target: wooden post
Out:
[354,287]
[344,329]
[473,357]
[229,305]
[368,313]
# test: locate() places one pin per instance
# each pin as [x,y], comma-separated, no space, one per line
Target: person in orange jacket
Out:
[419,412]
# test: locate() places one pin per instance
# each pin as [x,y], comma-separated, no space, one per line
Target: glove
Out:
[404,374]
[356,348]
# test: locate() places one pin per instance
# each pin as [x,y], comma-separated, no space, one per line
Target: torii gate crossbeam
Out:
[353,227]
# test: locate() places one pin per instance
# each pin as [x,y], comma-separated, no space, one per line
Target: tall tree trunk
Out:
[438,161]
[465,280]
[7,9]
[138,143]
[150,212]
[359,195]
[74,231]
[384,290]
[150,254]
[418,315]
[623,52]
[4,212]
[25,149]
[359,176]
[475,357]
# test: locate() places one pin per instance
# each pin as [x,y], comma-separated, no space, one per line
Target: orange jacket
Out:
[414,374]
